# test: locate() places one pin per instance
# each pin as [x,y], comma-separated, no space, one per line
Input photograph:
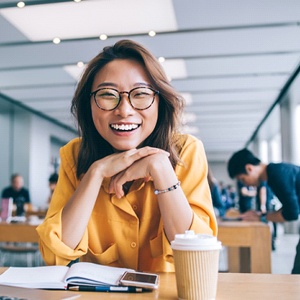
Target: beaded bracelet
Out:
[173,187]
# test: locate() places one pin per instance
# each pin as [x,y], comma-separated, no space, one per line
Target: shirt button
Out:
[134,207]
[133,245]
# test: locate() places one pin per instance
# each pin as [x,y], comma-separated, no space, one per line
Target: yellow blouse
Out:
[127,232]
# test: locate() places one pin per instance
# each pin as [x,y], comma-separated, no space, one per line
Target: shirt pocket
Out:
[156,246]
[108,257]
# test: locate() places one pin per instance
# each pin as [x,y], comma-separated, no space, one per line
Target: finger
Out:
[136,154]
[111,188]
[115,186]
[148,178]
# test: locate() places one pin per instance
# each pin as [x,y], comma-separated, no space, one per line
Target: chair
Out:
[19,245]
[20,255]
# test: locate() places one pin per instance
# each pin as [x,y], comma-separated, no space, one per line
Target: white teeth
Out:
[124,127]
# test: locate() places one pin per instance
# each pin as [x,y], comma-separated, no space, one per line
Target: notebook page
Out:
[35,277]
[90,273]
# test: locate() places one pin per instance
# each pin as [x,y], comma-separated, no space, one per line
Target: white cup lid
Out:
[191,241]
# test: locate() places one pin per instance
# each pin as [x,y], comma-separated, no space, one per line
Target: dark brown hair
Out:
[93,146]
[238,161]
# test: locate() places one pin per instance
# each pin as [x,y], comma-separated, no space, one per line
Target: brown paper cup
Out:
[196,274]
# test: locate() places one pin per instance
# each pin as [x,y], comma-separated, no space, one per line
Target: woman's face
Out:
[123,75]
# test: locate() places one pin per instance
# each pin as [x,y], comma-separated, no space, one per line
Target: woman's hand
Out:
[143,167]
[113,164]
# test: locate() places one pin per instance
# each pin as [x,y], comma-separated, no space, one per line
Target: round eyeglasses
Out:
[140,98]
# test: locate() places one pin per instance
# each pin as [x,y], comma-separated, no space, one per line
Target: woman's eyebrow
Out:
[106,84]
[137,84]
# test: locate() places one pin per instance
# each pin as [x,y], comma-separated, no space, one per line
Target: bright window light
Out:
[175,68]
[188,117]
[188,98]
[75,70]
[189,129]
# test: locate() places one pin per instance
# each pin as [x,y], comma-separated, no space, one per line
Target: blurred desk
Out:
[18,232]
[231,286]
[249,246]
[33,211]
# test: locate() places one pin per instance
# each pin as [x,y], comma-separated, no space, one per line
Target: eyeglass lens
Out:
[140,98]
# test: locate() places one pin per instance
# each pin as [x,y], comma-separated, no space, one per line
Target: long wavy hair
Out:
[164,136]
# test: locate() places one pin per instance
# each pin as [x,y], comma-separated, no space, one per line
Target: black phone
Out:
[140,279]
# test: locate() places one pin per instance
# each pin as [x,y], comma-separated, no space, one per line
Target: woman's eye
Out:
[107,94]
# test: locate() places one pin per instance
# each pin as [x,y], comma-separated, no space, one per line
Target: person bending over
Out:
[282,178]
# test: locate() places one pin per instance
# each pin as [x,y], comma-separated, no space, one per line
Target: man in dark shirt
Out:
[19,194]
[282,178]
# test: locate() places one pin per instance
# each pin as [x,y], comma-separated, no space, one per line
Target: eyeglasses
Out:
[140,98]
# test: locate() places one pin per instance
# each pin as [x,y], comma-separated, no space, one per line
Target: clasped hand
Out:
[131,165]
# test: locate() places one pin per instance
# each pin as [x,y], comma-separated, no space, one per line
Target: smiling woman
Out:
[126,179]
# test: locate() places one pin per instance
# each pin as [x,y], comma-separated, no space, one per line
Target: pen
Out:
[100,288]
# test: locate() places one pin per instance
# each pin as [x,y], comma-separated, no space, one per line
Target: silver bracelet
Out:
[173,187]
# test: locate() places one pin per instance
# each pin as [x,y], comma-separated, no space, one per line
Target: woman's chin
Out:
[122,149]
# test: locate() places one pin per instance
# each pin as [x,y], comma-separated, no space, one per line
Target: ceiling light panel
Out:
[74,71]
[175,68]
[53,92]
[236,83]
[15,79]
[258,64]
[91,18]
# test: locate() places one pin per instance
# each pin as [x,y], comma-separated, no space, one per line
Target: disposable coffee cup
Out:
[196,259]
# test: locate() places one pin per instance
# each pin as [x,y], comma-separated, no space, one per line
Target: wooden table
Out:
[231,286]
[249,246]
[18,232]
[249,243]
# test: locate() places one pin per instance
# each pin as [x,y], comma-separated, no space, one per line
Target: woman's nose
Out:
[124,108]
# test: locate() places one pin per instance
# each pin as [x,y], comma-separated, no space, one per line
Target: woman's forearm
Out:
[175,210]
[77,212]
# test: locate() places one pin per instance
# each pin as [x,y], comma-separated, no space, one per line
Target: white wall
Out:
[219,170]
[20,147]
[5,149]
[26,148]
[41,132]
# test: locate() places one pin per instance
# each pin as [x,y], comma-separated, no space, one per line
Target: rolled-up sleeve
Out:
[53,250]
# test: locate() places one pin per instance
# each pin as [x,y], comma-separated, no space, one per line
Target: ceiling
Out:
[230,58]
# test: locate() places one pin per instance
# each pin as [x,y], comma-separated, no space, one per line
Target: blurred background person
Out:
[52,184]
[247,196]
[218,204]
[284,180]
[264,199]
[232,196]
[19,193]
[225,195]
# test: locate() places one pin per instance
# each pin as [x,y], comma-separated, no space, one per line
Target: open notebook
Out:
[58,277]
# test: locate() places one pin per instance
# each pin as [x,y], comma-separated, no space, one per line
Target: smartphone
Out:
[140,279]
